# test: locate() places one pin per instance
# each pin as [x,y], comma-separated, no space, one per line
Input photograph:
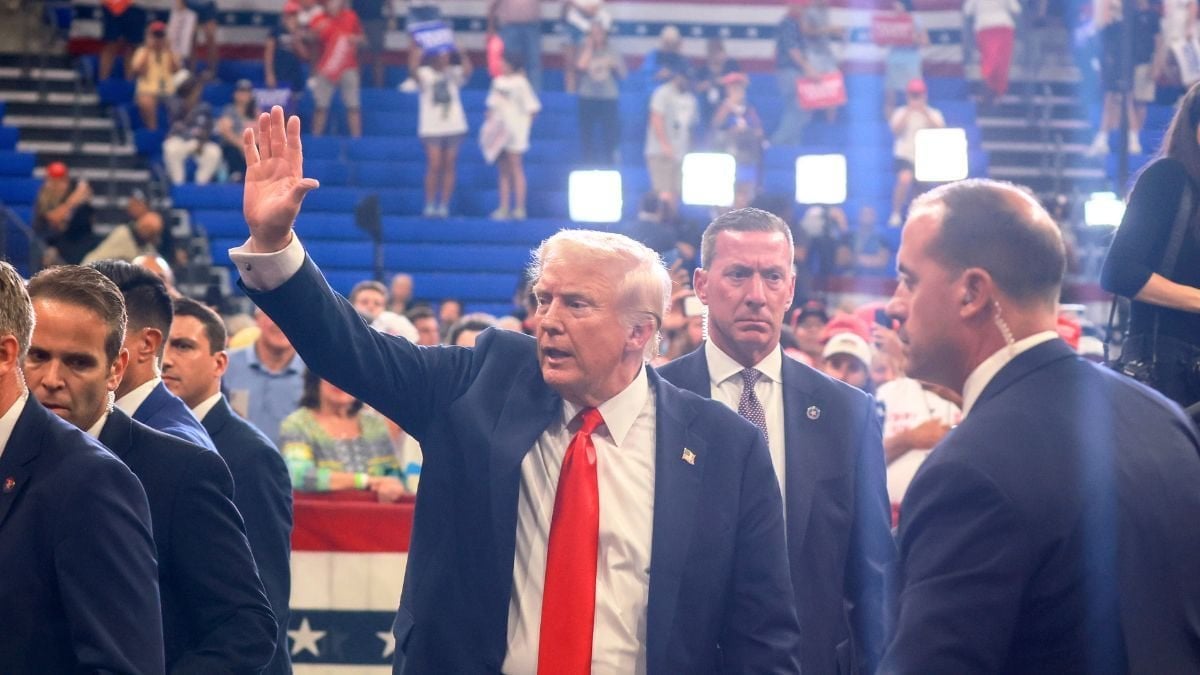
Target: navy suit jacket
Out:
[719,596]
[262,492]
[215,616]
[1054,530]
[839,537]
[167,413]
[78,581]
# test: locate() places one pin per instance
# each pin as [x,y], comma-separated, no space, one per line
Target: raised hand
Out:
[275,184]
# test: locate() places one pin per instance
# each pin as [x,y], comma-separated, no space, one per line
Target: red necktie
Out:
[569,600]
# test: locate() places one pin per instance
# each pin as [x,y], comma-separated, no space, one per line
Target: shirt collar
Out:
[619,412]
[293,366]
[8,421]
[96,428]
[129,403]
[721,366]
[979,378]
[206,406]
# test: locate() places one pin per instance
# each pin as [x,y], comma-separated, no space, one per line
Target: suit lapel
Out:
[677,487]
[526,413]
[24,445]
[692,374]
[809,441]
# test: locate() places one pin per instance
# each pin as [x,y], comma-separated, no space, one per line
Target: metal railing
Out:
[9,220]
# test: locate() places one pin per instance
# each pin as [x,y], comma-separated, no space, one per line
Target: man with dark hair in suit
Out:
[77,566]
[141,394]
[215,616]
[193,363]
[1054,529]
[577,513]
[824,439]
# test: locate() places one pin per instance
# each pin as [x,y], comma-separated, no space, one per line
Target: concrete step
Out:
[57,122]
[66,147]
[9,95]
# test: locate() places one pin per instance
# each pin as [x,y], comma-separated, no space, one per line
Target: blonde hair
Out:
[643,285]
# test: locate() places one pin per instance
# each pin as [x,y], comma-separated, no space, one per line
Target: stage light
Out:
[708,178]
[594,196]
[821,179]
[941,155]
[1103,209]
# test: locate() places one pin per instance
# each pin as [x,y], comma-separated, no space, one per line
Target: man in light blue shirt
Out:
[264,380]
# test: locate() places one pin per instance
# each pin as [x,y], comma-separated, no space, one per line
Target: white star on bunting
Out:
[304,639]
[389,642]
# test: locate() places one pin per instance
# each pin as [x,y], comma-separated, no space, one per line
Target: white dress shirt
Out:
[129,403]
[725,380]
[96,428]
[979,378]
[625,446]
[8,421]
[206,405]
[625,452]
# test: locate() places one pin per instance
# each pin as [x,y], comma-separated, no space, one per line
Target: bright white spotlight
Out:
[594,196]
[708,178]
[941,155]
[821,179]
[1103,209]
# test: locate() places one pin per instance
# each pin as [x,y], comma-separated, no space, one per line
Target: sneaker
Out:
[894,219]
[499,214]
[442,211]
[1099,146]
[518,214]
[430,211]
[408,86]
[1135,143]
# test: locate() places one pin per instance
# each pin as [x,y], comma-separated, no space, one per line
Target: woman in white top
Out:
[441,125]
[512,101]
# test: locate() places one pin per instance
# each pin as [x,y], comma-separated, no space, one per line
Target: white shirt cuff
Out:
[268,271]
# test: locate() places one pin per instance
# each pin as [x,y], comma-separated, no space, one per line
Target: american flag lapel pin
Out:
[9,484]
[689,456]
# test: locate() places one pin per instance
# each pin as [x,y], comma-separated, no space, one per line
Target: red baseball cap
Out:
[158,27]
[291,7]
[916,86]
[56,170]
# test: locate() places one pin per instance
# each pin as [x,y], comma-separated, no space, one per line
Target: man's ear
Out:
[978,291]
[641,333]
[10,354]
[700,284]
[116,371]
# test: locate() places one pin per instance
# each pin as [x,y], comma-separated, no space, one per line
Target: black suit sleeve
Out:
[761,628]
[406,382]
[233,622]
[965,551]
[1140,242]
[871,563]
[108,578]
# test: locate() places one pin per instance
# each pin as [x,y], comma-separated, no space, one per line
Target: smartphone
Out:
[882,318]
[692,306]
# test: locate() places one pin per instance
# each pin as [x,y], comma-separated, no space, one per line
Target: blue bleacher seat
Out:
[216,196]
[115,91]
[232,70]
[219,223]
[464,258]
[384,148]
[149,143]
[217,94]
[331,173]
[322,147]
[341,254]
[19,191]
[16,163]
[401,202]
[338,199]
[8,138]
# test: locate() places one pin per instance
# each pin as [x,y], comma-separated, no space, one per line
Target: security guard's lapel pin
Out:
[814,413]
[9,484]
[689,456]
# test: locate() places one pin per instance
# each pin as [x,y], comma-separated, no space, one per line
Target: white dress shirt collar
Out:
[620,411]
[96,428]
[129,403]
[979,378]
[8,421]
[206,406]
[721,366]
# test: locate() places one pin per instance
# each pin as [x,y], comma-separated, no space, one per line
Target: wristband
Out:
[360,481]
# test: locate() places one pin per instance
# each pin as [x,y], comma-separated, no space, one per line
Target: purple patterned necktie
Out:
[749,406]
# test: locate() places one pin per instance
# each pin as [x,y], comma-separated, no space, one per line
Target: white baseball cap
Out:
[848,343]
